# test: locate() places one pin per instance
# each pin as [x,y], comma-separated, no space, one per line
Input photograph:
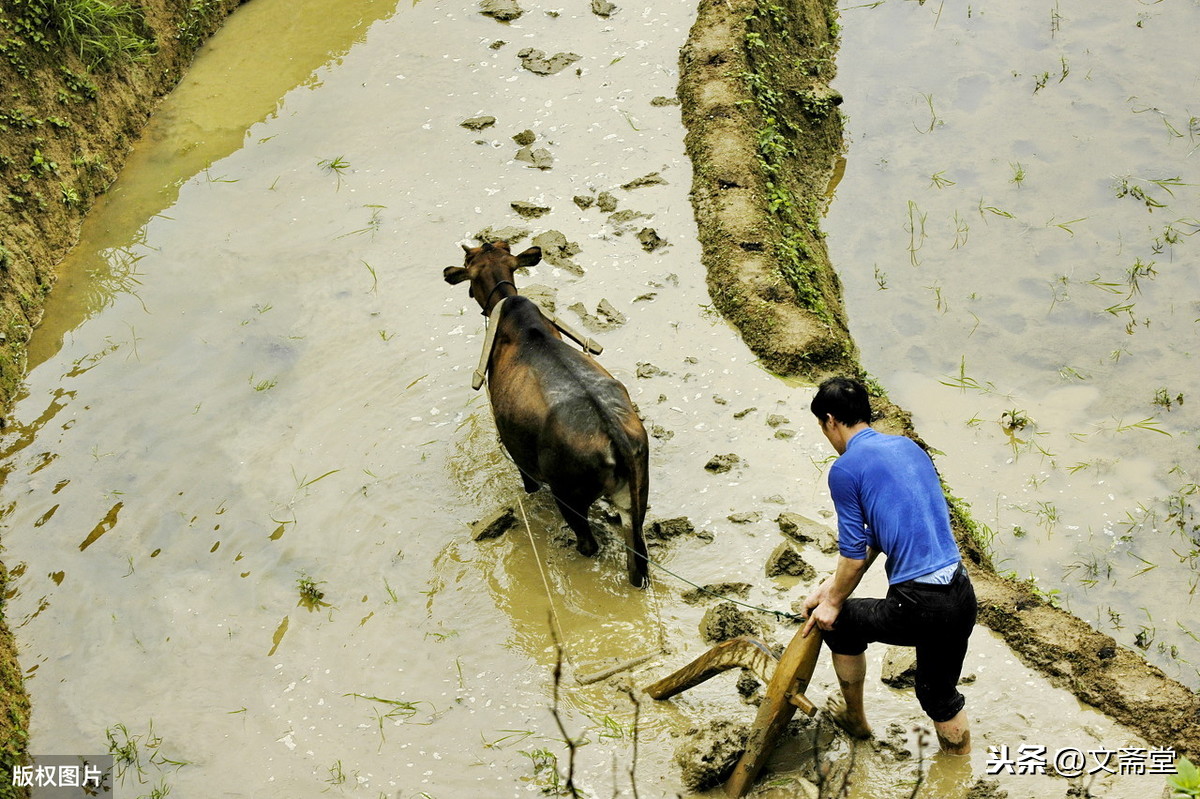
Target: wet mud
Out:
[736,217]
[420,655]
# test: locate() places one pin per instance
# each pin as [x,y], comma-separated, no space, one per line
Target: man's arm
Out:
[825,603]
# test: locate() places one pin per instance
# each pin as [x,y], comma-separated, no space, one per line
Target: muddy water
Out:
[1016,233]
[253,380]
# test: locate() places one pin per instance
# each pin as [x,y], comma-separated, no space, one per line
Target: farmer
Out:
[889,500]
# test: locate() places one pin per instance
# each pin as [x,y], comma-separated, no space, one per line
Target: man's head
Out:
[843,398]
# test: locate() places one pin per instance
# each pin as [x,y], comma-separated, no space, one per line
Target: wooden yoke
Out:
[785,692]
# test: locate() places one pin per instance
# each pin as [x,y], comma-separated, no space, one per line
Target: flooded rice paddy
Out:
[240,482]
[1016,234]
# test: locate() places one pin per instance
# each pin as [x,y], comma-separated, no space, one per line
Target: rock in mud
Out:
[804,530]
[536,61]
[650,239]
[666,529]
[777,420]
[662,101]
[495,525]
[744,413]
[525,137]
[477,123]
[541,158]
[724,621]
[784,432]
[708,757]
[606,202]
[719,464]
[899,669]
[785,561]
[603,8]
[502,10]
[714,591]
[583,201]
[745,517]
[653,179]
[557,251]
[529,210]
[491,235]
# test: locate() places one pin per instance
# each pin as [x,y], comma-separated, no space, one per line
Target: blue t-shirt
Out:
[887,496]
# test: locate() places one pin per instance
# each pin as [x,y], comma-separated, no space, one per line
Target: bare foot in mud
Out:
[835,709]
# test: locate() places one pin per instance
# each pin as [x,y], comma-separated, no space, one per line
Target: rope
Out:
[545,582]
[778,614]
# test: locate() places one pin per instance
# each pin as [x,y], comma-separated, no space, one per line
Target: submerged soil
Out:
[765,139]
[67,120]
[764,149]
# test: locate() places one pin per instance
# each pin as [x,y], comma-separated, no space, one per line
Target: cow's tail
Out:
[634,452]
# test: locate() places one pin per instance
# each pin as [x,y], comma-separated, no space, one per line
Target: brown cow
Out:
[564,420]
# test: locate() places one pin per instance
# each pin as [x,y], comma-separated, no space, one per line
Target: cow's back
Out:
[556,408]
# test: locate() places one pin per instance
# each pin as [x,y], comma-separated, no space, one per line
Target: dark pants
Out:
[936,619]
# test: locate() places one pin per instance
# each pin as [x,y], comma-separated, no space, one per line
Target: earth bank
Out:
[765,140]
[80,81]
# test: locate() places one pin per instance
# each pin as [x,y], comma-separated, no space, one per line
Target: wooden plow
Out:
[786,679]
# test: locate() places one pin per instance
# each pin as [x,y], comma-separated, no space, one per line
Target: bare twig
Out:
[567,739]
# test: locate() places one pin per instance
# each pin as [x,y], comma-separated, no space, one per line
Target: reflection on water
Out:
[239,80]
[1018,220]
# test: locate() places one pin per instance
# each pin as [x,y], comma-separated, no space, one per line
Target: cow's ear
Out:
[454,274]
[530,257]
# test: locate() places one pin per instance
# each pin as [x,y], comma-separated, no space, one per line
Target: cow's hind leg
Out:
[574,510]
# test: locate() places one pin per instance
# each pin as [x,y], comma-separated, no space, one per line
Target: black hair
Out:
[843,397]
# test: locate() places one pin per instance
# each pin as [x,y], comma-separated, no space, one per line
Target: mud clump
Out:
[785,561]
[495,525]
[528,210]
[716,591]
[724,621]
[491,235]
[667,529]
[899,669]
[719,464]
[501,10]
[536,61]
[607,317]
[650,239]
[557,251]
[708,758]
[653,179]
[804,530]
[477,123]
[603,8]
